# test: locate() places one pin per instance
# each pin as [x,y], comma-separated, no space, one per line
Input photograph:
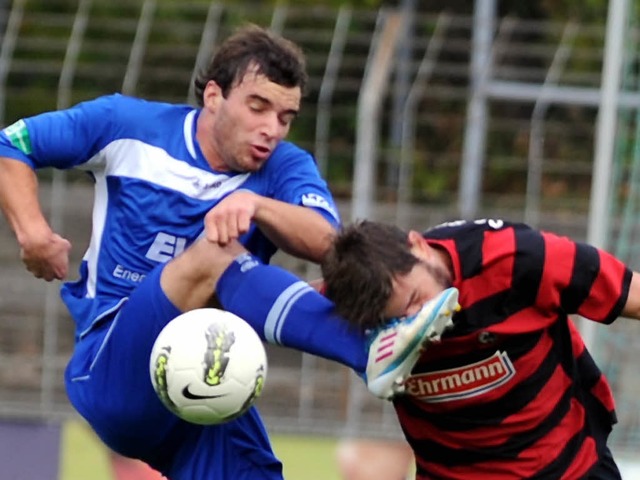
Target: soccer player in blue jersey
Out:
[174,184]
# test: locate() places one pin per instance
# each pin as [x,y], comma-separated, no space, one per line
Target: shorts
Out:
[108,382]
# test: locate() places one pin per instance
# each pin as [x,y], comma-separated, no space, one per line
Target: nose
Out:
[272,128]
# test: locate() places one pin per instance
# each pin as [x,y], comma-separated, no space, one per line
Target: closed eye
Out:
[413,304]
[287,119]
[259,104]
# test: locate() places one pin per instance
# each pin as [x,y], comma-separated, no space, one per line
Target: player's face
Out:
[412,291]
[248,123]
[424,281]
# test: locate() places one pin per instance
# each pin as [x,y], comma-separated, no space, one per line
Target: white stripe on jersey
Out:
[280,309]
[99,216]
[136,159]
[188,137]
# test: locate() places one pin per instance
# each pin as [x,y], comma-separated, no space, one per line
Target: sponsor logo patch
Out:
[19,136]
[462,382]
[315,200]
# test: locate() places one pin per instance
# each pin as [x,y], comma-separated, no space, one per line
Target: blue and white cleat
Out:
[395,347]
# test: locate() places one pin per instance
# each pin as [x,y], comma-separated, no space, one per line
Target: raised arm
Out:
[297,230]
[44,253]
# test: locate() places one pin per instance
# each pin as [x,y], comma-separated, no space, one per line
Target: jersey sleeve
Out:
[295,179]
[583,279]
[61,139]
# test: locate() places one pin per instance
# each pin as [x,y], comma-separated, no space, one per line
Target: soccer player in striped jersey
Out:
[510,392]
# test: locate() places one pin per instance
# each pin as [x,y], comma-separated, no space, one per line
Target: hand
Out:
[231,217]
[47,257]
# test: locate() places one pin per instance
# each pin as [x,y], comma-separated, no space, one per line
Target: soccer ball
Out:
[208,366]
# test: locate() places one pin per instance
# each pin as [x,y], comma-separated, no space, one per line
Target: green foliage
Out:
[174,40]
[318,3]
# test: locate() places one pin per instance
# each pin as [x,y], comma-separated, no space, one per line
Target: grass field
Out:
[304,458]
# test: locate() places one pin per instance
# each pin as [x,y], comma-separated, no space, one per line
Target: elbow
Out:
[315,246]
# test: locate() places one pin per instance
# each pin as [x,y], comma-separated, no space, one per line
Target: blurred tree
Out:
[327,3]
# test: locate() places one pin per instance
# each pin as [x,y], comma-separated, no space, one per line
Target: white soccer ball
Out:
[208,366]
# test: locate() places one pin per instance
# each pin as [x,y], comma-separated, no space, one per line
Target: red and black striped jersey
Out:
[511,391]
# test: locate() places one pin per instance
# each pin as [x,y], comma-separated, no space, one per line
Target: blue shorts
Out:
[107,380]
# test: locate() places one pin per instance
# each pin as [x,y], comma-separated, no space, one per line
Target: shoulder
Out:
[289,160]
[137,118]
[115,102]
[287,152]
[459,228]
[126,107]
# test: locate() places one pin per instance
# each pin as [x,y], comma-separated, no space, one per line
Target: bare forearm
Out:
[19,200]
[297,230]
[44,253]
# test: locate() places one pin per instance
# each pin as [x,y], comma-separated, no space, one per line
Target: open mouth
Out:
[260,152]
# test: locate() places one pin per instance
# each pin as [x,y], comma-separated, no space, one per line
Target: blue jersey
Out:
[153,187]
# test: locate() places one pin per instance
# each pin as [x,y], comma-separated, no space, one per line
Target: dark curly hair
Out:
[273,56]
[359,269]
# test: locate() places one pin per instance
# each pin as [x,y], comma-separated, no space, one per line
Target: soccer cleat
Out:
[395,347]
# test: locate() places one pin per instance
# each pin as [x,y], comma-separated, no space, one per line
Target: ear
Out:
[212,95]
[415,238]
[418,245]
